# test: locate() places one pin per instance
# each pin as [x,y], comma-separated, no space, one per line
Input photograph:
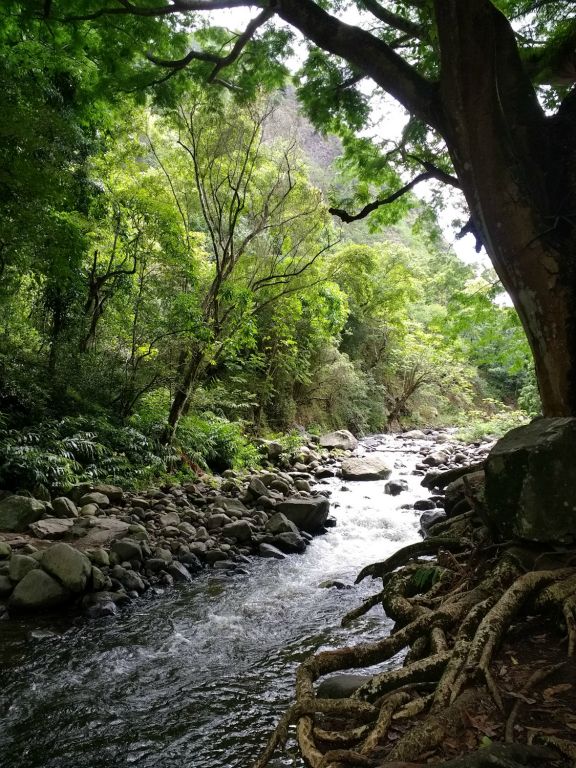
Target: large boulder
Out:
[307,514]
[113,492]
[531,482]
[279,523]
[70,567]
[241,530]
[38,590]
[340,439]
[20,565]
[290,543]
[105,530]
[17,512]
[51,528]
[127,550]
[372,467]
[64,507]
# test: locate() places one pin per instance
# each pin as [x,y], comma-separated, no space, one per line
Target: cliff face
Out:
[320,152]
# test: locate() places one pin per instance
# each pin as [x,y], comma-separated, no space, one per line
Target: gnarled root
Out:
[450,632]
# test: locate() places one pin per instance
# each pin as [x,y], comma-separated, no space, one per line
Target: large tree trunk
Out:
[516,167]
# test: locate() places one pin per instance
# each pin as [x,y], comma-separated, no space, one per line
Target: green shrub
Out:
[478,424]
[215,443]
[59,454]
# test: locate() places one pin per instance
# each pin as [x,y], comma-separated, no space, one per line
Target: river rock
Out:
[422,505]
[100,499]
[342,439]
[257,488]
[5,550]
[70,567]
[169,518]
[267,550]
[414,434]
[64,507]
[191,562]
[6,586]
[188,529]
[281,486]
[322,473]
[340,686]
[51,527]
[113,492]
[213,555]
[102,610]
[334,584]
[279,523]
[366,468]
[38,590]
[232,506]
[128,579]
[17,512]
[436,458]
[307,514]
[531,482]
[179,572]
[240,530]
[99,580]
[79,490]
[290,543]
[98,556]
[274,449]
[20,565]
[127,550]
[217,520]
[89,510]
[429,518]
[395,487]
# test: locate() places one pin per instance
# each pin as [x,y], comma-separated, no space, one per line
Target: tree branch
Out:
[367,53]
[348,217]
[220,62]
[395,20]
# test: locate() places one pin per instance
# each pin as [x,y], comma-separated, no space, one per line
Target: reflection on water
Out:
[197,677]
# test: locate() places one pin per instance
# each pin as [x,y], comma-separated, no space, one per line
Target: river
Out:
[198,676]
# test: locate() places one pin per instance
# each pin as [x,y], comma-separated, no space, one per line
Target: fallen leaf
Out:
[554,690]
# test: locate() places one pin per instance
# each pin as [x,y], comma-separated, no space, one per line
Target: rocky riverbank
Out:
[98,546]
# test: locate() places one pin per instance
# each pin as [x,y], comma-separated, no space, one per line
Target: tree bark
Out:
[183,392]
[506,153]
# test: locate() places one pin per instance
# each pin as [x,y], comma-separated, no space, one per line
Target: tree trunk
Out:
[183,392]
[516,167]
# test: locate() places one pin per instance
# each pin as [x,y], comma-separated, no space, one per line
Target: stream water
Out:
[197,677]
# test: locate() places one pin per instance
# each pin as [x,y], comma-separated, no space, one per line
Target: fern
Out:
[425,577]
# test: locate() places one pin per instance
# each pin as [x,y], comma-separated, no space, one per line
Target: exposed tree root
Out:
[404,555]
[450,630]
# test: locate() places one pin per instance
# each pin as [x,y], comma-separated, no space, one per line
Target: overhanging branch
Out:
[395,20]
[432,173]
[220,62]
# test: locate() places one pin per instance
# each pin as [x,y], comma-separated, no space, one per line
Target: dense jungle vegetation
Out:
[172,282]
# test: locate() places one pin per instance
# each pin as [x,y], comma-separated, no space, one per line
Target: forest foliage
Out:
[172,282]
